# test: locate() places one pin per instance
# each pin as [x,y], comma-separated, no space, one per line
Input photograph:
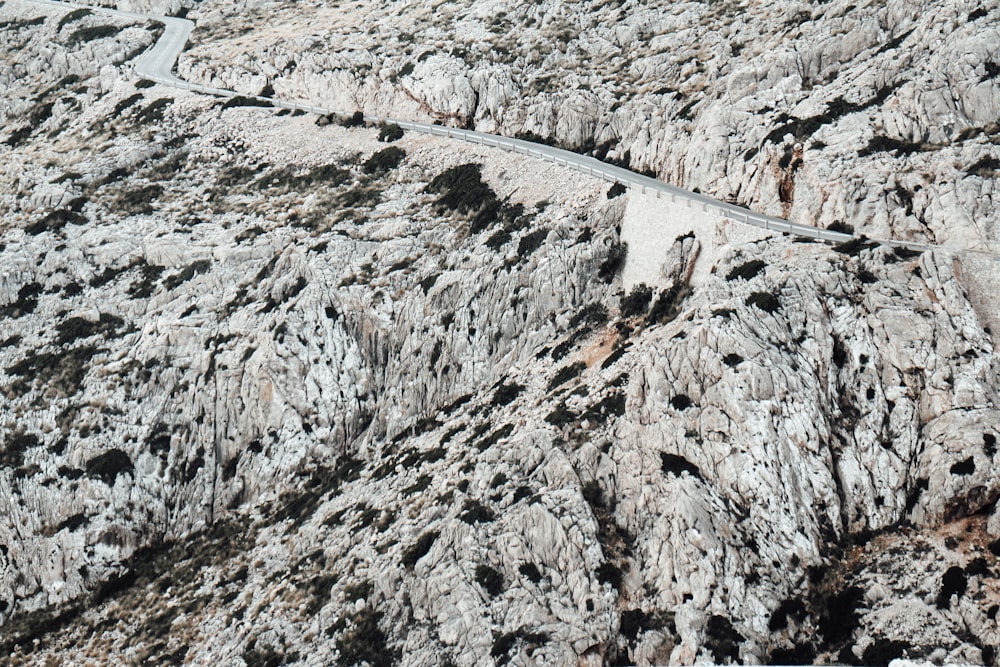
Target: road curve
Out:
[157,65]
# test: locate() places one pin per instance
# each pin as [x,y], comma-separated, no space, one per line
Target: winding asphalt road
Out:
[157,65]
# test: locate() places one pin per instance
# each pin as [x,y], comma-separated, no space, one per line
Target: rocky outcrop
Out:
[281,393]
[786,108]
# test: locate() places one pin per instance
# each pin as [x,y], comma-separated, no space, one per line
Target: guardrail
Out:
[177,31]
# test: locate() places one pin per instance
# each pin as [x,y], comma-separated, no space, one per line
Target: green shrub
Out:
[74,15]
[637,301]
[506,393]
[74,328]
[319,592]
[61,372]
[26,23]
[90,33]
[267,656]
[18,136]
[880,144]
[384,160]
[591,314]
[360,196]
[489,579]
[764,300]
[474,511]
[498,239]
[609,573]
[244,101]
[747,270]
[616,190]
[635,622]
[673,464]
[144,286]
[418,486]
[985,167]
[107,466]
[853,247]
[390,132]
[842,227]
[12,455]
[530,570]
[732,359]
[26,302]
[613,263]
[154,112]
[494,437]
[461,189]
[668,305]
[722,639]
[566,373]
[503,644]
[681,402]
[612,405]
[593,494]
[365,642]
[356,119]
[530,242]
[55,221]
[73,522]
[561,415]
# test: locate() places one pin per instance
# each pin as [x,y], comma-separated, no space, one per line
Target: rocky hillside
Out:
[280,391]
[882,115]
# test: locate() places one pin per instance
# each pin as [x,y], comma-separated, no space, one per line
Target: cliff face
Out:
[277,392]
[880,115]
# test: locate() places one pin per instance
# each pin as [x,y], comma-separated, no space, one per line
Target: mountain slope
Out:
[281,392]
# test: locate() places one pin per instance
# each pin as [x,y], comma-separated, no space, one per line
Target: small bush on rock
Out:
[390,132]
[365,642]
[384,160]
[747,270]
[530,242]
[462,189]
[489,579]
[841,227]
[530,571]
[637,301]
[474,511]
[90,33]
[244,101]
[107,466]
[613,263]
[74,15]
[722,639]
[506,393]
[356,119]
[764,300]
[566,373]
[674,464]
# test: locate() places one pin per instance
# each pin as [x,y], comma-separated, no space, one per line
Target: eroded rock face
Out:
[880,116]
[275,391]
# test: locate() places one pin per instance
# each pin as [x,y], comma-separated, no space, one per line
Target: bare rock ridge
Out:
[276,393]
[786,108]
